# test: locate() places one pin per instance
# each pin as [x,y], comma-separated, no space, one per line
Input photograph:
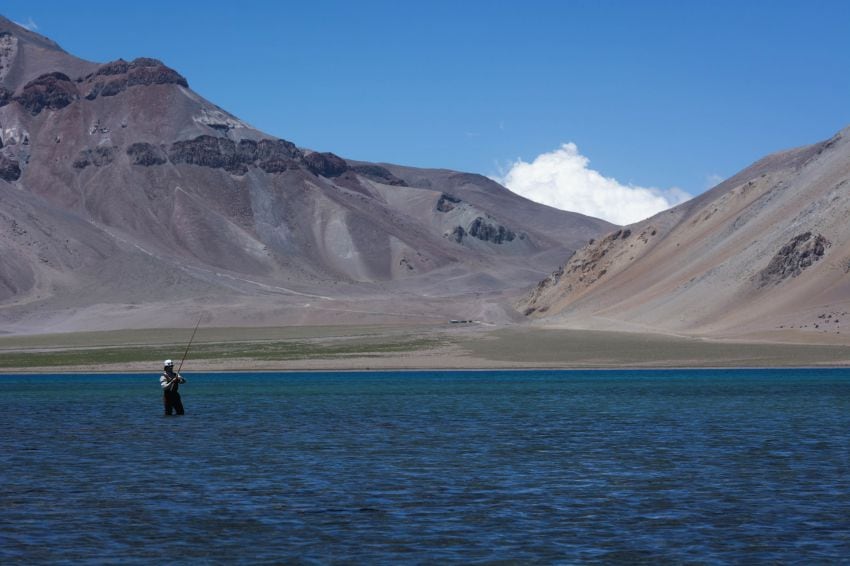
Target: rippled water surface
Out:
[671,466]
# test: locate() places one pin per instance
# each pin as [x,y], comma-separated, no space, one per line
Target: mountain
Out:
[765,254]
[128,200]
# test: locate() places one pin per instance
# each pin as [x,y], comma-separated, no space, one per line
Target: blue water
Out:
[735,466]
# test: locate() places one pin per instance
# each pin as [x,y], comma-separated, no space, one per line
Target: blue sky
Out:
[656,94]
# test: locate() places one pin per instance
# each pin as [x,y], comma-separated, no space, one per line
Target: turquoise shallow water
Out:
[703,466]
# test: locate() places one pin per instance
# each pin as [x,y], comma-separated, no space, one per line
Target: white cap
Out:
[169,363]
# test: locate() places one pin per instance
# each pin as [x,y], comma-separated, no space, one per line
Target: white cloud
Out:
[29,24]
[562,179]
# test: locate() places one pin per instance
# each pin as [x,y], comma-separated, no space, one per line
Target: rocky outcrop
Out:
[276,156]
[588,265]
[246,151]
[109,88]
[118,67]
[485,231]
[52,91]
[10,170]
[447,203]
[325,164]
[208,151]
[272,156]
[539,291]
[146,154]
[277,165]
[458,234]
[5,96]
[378,174]
[593,261]
[488,232]
[794,257]
[154,74]
[98,157]
[117,76]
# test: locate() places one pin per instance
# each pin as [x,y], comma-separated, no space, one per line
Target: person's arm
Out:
[164,382]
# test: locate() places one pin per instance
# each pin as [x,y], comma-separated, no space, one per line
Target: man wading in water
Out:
[170,383]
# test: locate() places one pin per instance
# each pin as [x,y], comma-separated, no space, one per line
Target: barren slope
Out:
[764,254]
[127,200]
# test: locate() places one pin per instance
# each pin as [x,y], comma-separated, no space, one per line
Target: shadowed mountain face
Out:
[127,200]
[765,254]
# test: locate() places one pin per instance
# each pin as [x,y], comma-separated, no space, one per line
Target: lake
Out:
[710,466]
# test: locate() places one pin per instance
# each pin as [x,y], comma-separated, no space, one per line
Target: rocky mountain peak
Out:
[117,76]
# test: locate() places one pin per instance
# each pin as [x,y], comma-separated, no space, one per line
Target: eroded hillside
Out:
[128,200]
[765,253]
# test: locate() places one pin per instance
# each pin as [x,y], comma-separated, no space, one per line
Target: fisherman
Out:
[170,383]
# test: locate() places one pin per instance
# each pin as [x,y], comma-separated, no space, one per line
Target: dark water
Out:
[544,466]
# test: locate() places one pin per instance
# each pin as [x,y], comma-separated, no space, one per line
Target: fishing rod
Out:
[189,344]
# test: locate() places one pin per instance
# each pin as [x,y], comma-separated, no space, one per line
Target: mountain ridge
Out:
[759,255]
[128,200]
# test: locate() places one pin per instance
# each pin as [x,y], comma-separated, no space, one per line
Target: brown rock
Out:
[52,91]
[795,256]
[325,164]
[10,170]
[146,154]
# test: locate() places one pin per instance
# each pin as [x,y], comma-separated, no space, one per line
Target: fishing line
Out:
[189,344]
